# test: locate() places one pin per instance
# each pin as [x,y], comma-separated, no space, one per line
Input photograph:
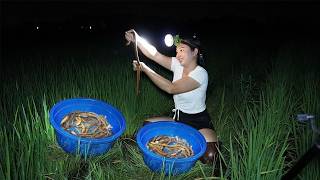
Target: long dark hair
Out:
[194,42]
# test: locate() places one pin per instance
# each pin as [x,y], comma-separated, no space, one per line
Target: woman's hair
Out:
[194,42]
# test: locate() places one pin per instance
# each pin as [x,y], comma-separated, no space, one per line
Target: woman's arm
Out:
[148,50]
[182,85]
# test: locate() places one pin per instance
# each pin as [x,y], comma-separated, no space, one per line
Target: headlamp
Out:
[170,40]
[176,40]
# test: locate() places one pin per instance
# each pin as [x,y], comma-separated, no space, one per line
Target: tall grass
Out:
[304,136]
[265,139]
[26,146]
[258,145]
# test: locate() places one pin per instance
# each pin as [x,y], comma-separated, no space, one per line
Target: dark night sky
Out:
[21,17]
[15,12]
[267,23]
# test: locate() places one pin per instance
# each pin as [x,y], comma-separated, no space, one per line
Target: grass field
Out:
[253,97]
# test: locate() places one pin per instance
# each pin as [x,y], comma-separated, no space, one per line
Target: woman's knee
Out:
[212,146]
[209,134]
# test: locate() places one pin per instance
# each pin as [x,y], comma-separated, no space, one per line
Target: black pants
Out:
[198,121]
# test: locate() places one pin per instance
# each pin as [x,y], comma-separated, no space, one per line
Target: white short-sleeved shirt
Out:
[193,101]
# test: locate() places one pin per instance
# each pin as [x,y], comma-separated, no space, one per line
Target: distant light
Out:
[168,40]
[37,27]
[89,27]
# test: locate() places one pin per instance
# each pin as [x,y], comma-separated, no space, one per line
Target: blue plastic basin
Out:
[165,165]
[86,146]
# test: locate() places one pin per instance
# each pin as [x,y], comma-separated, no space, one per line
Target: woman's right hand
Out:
[130,36]
[138,66]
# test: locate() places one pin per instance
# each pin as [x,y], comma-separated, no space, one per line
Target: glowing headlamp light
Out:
[170,40]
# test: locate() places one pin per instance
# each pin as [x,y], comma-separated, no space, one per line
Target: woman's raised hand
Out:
[130,36]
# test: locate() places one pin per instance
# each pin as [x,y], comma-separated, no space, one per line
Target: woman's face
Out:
[184,54]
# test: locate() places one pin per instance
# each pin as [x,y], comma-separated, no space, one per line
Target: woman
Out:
[189,86]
